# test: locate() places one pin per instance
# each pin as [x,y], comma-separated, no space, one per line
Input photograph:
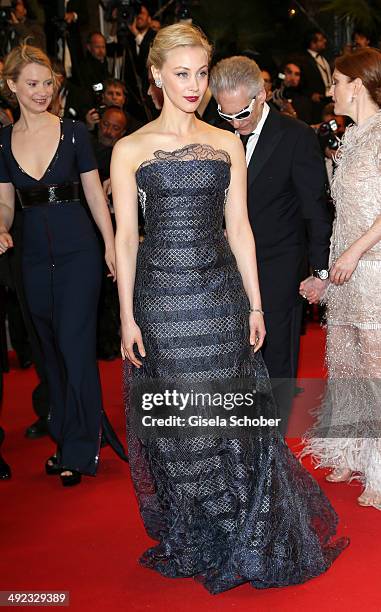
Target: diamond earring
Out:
[158,83]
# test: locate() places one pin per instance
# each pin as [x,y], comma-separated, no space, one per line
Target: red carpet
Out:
[87,540]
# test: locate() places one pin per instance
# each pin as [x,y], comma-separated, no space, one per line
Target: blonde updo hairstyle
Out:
[17,59]
[173,36]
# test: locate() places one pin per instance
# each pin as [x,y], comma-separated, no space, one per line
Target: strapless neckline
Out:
[191,152]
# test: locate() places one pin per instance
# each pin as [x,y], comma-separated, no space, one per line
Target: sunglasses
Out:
[243,114]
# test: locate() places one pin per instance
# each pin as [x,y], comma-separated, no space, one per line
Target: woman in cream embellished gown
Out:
[224,509]
[347,435]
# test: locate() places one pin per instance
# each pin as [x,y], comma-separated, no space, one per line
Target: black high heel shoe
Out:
[72,479]
[53,469]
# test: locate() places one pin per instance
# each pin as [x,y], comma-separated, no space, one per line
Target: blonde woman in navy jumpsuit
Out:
[45,159]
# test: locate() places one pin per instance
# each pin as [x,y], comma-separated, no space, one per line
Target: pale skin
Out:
[183,75]
[34,91]
[351,98]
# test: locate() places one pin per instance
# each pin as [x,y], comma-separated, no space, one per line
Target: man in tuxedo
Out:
[138,41]
[317,77]
[64,20]
[288,97]
[287,209]
[70,100]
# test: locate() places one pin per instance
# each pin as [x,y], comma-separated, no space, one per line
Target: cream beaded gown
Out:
[347,433]
[225,510]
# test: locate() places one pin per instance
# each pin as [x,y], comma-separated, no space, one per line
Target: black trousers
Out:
[281,353]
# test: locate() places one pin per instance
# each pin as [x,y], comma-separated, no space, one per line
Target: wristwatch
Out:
[322,274]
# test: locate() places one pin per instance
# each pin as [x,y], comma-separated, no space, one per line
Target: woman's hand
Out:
[110,261]
[131,335]
[313,289]
[257,330]
[6,242]
[344,267]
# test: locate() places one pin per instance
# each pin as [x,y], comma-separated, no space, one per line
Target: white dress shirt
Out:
[252,142]
[324,69]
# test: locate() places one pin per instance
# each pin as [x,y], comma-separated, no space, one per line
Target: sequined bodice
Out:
[182,194]
[356,186]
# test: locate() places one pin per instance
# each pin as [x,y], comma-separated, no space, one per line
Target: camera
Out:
[327,136]
[126,11]
[5,12]
[99,104]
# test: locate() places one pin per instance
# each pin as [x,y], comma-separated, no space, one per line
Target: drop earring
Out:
[158,83]
[353,98]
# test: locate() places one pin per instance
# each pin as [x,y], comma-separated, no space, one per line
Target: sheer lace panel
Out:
[196,152]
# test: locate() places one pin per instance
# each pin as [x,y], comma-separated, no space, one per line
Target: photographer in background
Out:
[25,27]
[70,100]
[139,40]
[110,93]
[113,125]
[288,97]
[64,20]
[94,69]
[317,77]
[361,38]
[268,84]
[330,133]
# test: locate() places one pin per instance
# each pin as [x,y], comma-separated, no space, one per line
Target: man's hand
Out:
[71,17]
[106,185]
[133,29]
[316,97]
[313,289]
[92,118]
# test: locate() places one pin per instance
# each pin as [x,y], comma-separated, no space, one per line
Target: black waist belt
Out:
[49,194]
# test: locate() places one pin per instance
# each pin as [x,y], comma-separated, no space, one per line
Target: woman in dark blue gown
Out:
[45,159]
[226,509]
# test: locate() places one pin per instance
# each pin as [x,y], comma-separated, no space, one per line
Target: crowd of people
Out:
[233,233]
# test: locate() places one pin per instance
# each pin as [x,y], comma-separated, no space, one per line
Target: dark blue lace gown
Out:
[225,511]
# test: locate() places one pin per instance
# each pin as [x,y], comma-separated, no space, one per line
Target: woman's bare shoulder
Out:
[137,146]
[225,140]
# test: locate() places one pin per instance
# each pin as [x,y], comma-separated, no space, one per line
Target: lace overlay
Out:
[225,511]
[348,430]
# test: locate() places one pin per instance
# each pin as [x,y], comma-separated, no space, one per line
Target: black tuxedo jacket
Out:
[287,208]
[312,80]
[140,60]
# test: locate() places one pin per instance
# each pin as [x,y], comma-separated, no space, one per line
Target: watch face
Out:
[323,274]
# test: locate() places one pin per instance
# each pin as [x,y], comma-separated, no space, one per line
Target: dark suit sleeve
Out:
[80,8]
[309,178]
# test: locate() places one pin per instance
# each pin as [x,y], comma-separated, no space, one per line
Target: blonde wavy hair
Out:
[17,59]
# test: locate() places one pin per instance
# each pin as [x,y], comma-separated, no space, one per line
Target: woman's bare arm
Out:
[124,191]
[7,211]
[239,232]
[101,214]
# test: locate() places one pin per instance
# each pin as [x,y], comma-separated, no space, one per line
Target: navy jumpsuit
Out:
[62,268]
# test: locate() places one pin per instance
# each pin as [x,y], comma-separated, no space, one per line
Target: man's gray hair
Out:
[233,72]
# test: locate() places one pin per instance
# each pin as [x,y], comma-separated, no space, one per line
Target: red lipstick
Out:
[192,98]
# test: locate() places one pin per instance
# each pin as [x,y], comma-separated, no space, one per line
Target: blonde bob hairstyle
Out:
[17,59]
[173,36]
